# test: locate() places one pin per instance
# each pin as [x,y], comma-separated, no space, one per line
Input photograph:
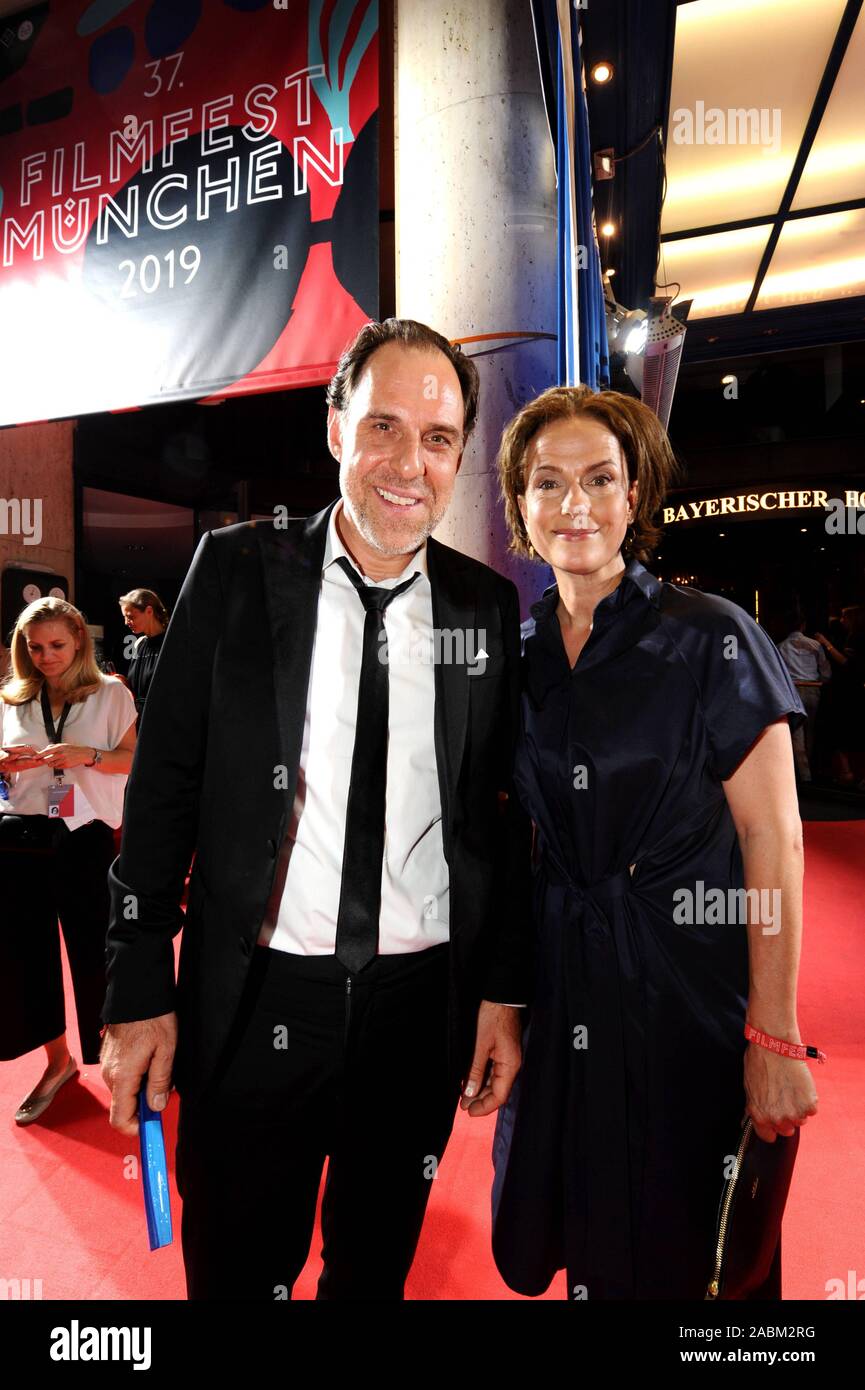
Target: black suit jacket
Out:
[225,711]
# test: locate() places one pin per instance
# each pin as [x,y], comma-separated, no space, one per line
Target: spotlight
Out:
[608,228]
[604,164]
[635,333]
[655,367]
[602,72]
[626,328]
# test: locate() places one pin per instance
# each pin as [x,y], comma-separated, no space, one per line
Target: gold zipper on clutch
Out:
[714,1283]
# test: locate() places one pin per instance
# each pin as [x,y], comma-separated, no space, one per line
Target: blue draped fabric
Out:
[568,366]
[583,351]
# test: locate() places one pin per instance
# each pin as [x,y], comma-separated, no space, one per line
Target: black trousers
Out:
[314,1069]
[69,882]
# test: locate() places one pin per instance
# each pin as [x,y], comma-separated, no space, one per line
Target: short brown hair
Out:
[644,444]
[411,334]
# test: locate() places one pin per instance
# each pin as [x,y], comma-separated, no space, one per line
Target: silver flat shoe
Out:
[33,1106]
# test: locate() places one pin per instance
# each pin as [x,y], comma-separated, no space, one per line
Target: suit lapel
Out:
[454,608]
[292,559]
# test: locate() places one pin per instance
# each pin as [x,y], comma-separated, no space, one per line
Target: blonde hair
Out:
[645,447]
[83,677]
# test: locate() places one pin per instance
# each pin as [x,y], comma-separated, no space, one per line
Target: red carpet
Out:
[72,1217]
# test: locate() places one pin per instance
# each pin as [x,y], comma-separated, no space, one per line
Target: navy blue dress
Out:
[610,1152]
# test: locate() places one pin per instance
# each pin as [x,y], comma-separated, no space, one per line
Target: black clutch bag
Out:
[749,1216]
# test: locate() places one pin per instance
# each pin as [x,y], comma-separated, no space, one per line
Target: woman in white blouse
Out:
[67,734]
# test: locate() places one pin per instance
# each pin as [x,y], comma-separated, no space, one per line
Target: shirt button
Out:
[271,845]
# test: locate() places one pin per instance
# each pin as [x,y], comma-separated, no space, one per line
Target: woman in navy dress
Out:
[655,760]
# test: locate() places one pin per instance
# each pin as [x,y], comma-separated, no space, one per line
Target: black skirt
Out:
[69,883]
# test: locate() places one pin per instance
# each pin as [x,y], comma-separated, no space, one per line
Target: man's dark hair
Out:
[794,620]
[412,334]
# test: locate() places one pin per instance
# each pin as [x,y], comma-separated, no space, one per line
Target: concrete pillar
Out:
[36,463]
[476,228]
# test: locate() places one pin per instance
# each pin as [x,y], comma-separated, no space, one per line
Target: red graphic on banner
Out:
[188,199]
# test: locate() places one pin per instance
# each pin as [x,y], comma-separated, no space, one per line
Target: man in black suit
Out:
[356,941]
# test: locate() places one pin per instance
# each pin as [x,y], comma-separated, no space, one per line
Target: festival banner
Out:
[188,198]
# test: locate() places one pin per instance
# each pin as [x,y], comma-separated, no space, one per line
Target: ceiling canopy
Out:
[765,155]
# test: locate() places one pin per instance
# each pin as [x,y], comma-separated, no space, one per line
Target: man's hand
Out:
[129,1051]
[497,1051]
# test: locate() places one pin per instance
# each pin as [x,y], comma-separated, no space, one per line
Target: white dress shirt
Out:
[805,658]
[302,914]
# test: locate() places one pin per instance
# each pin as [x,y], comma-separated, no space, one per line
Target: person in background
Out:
[848,706]
[145,614]
[826,755]
[63,725]
[809,669]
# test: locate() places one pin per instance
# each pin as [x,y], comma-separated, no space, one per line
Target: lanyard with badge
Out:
[61,800]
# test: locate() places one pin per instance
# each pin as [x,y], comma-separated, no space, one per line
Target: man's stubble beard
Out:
[369,525]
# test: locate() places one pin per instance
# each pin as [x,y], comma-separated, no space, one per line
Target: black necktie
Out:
[363,851]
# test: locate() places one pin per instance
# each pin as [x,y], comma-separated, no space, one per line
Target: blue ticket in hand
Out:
[154,1169]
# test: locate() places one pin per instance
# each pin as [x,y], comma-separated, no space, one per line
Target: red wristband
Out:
[798,1050]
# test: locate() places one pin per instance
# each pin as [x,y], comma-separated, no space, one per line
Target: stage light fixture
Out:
[626,328]
[636,332]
